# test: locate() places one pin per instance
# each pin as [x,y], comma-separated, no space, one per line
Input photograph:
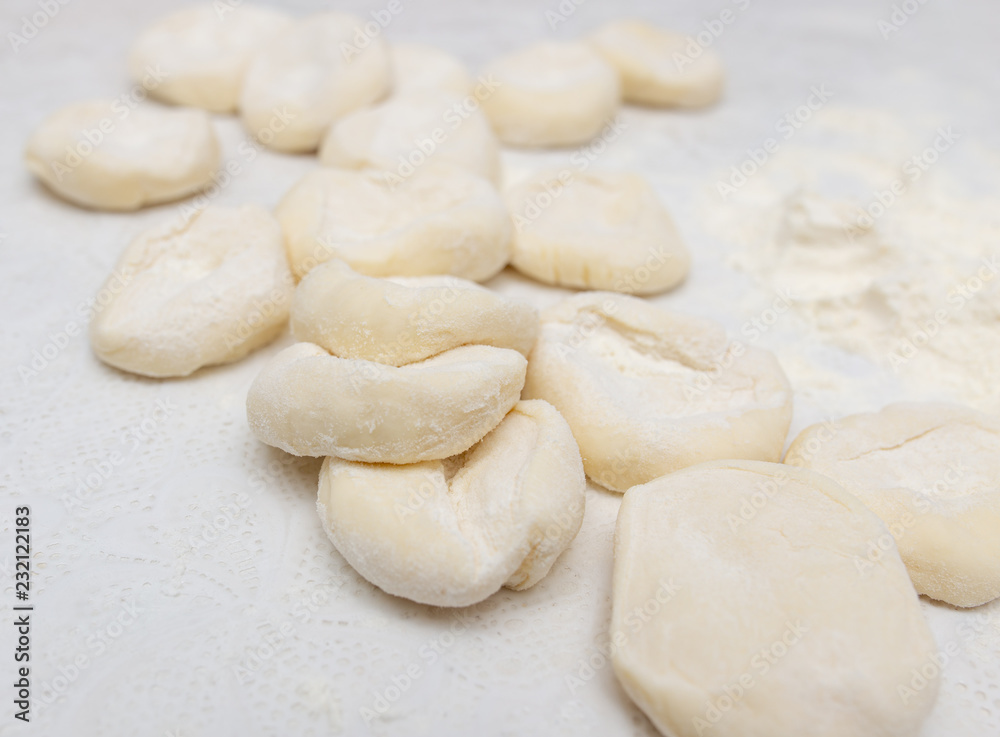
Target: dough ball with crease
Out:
[195,292]
[595,230]
[442,220]
[309,403]
[106,155]
[648,392]
[401,320]
[761,625]
[452,532]
[420,67]
[550,94]
[932,473]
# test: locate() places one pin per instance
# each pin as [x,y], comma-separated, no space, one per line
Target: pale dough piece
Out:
[310,403]
[649,392]
[551,94]
[403,320]
[765,628]
[599,230]
[195,293]
[932,473]
[203,52]
[452,532]
[310,75]
[408,131]
[442,220]
[420,67]
[105,155]
[658,67]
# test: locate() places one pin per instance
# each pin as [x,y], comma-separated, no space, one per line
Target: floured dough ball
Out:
[196,293]
[105,155]
[932,473]
[658,67]
[726,623]
[202,53]
[410,131]
[405,319]
[441,220]
[310,403]
[551,94]
[598,230]
[419,67]
[452,532]
[649,392]
[316,71]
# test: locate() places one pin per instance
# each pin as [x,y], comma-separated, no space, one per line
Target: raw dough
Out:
[402,320]
[310,75]
[597,230]
[452,532]
[195,293]
[932,473]
[420,67]
[649,392]
[310,403]
[551,94]
[659,67]
[441,220]
[106,155]
[759,625]
[203,52]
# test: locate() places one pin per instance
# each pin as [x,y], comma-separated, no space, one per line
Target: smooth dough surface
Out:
[647,392]
[310,75]
[441,220]
[203,52]
[932,473]
[658,67]
[551,94]
[310,403]
[419,67]
[452,532]
[105,155]
[595,230]
[405,319]
[195,293]
[765,628]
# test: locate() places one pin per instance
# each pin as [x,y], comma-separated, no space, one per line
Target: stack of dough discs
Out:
[418,67]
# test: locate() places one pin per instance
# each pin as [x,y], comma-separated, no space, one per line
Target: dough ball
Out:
[310,403]
[441,220]
[658,67]
[417,67]
[452,532]
[649,392]
[105,155]
[551,94]
[195,293]
[403,320]
[932,473]
[202,53]
[407,132]
[759,624]
[598,230]
[316,71]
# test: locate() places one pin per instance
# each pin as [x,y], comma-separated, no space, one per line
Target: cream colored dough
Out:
[763,626]
[404,320]
[108,156]
[194,293]
[442,220]
[658,67]
[648,392]
[420,67]
[551,94]
[452,532]
[310,403]
[316,71]
[932,473]
[597,230]
[203,52]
